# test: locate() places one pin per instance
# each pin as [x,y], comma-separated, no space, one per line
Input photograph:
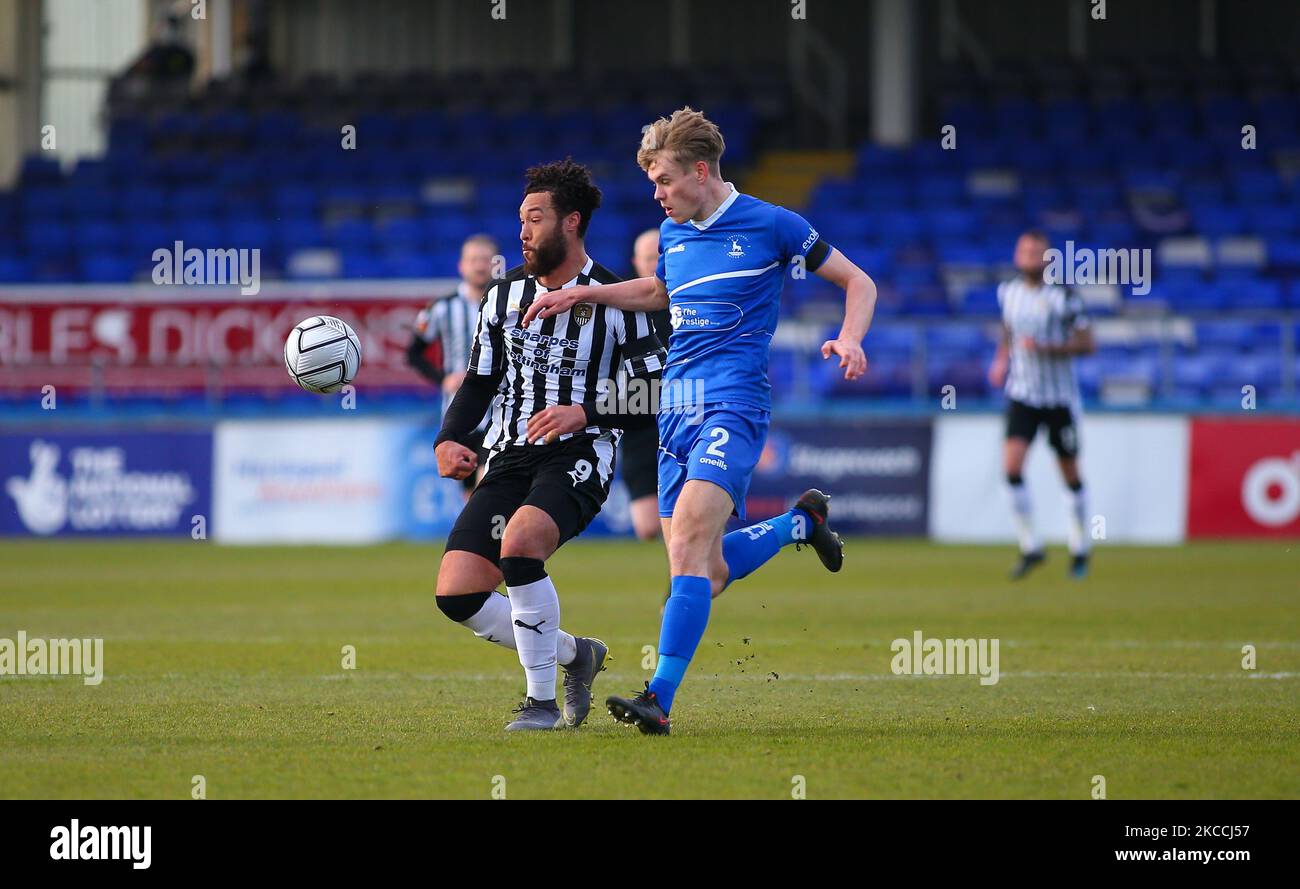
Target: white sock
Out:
[1022,516]
[535,614]
[1076,509]
[493,622]
[566,648]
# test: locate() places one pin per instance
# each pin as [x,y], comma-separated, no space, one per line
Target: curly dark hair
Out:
[570,187]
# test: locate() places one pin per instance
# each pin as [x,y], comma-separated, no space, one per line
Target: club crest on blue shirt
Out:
[736,246]
[582,313]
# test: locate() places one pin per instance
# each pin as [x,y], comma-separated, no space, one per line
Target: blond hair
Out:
[688,136]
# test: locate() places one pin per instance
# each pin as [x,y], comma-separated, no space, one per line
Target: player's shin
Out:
[1076,507]
[686,614]
[1022,513]
[747,549]
[535,615]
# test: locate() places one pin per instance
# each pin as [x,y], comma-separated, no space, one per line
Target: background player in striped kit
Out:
[542,379]
[1043,329]
[640,448]
[448,324]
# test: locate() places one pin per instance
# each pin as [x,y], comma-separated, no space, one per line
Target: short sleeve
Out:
[424,324]
[643,354]
[487,353]
[796,237]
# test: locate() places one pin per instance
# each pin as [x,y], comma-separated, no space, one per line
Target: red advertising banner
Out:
[1245,479]
[188,342]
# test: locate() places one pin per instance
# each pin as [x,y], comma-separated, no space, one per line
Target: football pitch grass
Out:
[226,662]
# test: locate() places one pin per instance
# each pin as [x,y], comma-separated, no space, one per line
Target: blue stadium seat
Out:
[301,232]
[362,265]
[99,236]
[250,233]
[1205,296]
[352,235]
[410,265]
[1253,294]
[15,270]
[958,339]
[1238,335]
[107,268]
[981,301]
[403,234]
[40,170]
[896,338]
[1273,220]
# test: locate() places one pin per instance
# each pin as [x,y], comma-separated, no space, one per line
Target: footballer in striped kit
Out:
[1044,329]
[550,444]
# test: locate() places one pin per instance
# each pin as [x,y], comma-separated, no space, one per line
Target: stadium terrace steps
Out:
[789,177]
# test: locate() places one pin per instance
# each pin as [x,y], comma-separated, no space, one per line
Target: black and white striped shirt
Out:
[452,320]
[1049,314]
[570,358]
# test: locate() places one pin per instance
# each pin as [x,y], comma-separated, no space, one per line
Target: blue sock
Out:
[685,617]
[747,549]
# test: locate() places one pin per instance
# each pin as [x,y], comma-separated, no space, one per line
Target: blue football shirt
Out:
[724,277]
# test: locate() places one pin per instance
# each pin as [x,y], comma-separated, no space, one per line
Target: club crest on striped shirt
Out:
[582,313]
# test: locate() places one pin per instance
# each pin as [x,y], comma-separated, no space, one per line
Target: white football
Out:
[322,354]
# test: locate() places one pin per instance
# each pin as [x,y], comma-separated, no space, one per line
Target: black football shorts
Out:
[1062,430]
[568,480]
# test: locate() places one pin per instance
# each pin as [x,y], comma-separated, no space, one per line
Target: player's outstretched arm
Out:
[633,295]
[998,369]
[859,306]
[418,362]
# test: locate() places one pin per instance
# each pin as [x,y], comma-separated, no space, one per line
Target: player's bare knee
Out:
[448,583]
[461,573]
[529,537]
[688,552]
[454,584]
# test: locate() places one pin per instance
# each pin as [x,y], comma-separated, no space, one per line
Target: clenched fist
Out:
[455,460]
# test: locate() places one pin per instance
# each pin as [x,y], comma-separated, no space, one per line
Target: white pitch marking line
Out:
[833,677]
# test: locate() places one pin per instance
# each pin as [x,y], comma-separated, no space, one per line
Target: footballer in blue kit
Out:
[723,257]
[724,277]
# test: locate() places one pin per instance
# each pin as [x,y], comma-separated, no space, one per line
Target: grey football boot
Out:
[536,716]
[578,678]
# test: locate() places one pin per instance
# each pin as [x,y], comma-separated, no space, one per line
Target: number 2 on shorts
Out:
[721,437]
